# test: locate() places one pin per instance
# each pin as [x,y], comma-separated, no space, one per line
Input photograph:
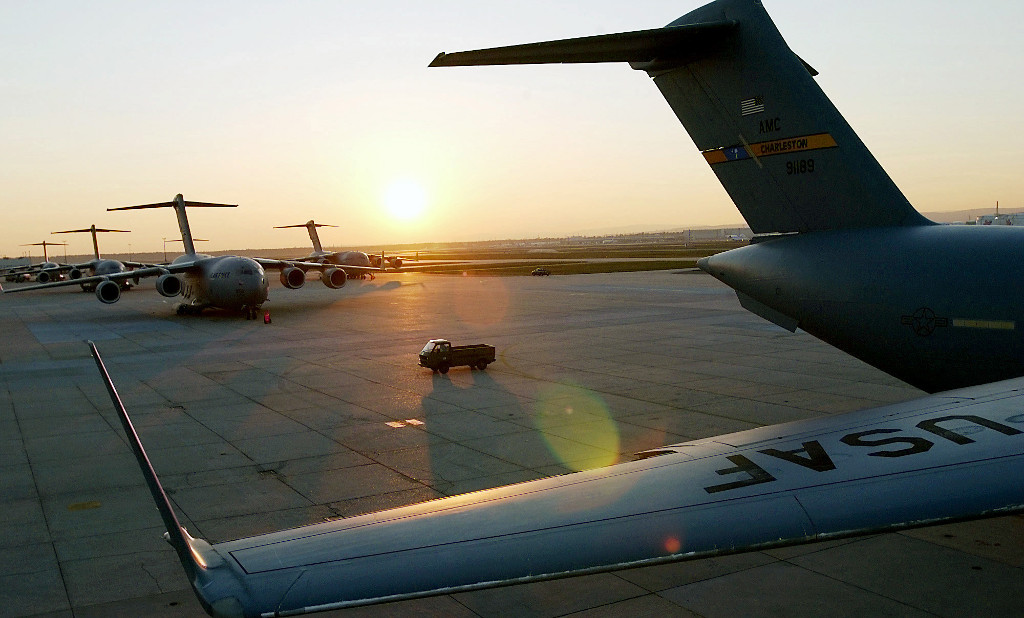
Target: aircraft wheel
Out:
[481,365]
[180,310]
[443,368]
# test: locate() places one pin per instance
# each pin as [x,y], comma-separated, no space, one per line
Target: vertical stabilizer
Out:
[179,205]
[186,232]
[782,151]
[92,229]
[44,245]
[314,237]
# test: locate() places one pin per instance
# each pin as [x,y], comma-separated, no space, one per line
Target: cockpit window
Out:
[246,271]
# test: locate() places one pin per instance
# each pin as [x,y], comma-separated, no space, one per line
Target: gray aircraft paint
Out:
[945,457]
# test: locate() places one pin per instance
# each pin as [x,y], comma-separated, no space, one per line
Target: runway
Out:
[324,413]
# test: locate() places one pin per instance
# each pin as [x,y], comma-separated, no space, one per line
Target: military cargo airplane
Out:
[98,265]
[231,282]
[818,201]
[42,272]
[346,259]
[340,258]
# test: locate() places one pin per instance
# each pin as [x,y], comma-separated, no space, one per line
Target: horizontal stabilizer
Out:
[281,227]
[88,229]
[641,46]
[173,204]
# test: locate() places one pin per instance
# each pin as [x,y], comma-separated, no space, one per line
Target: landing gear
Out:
[184,309]
[251,312]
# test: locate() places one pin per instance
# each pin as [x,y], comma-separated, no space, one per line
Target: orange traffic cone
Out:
[266,318]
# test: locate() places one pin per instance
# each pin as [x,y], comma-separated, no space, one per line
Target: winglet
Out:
[211,577]
[191,554]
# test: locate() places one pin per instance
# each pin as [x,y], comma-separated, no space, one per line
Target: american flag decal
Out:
[751,106]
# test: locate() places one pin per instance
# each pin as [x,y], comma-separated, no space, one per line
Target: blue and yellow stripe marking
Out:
[788,145]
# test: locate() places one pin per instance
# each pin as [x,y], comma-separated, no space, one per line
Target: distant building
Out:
[1014,219]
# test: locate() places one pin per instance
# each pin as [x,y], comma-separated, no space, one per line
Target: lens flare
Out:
[673,545]
[577,427]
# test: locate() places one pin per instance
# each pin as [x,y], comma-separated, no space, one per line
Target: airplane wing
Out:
[272,264]
[138,273]
[945,457]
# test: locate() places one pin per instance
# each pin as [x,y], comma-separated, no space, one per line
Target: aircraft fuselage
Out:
[912,301]
[105,267]
[226,282]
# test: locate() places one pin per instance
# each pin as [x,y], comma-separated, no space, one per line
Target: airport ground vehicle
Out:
[540,272]
[441,355]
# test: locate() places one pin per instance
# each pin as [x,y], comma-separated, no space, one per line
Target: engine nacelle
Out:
[396,262]
[293,277]
[108,292]
[168,285]
[74,273]
[43,277]
[334,278]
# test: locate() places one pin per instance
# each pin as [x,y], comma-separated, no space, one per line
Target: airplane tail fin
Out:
[92,230]
[313,236]
[179,205]
[778,145]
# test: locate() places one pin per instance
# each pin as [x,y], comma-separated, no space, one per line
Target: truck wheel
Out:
[481,365]
[443,367]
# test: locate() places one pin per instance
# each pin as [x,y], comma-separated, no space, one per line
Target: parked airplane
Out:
[229,282]
[42,272]
[346,259]
[840,253]
[98,265]
[340,258]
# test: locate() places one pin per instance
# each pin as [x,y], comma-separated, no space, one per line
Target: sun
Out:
[405,199]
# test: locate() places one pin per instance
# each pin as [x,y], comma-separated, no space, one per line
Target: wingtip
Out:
[438,60]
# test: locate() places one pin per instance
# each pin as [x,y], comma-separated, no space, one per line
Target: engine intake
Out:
[293,277]
[168,285]
[74,274]
[108,292]
[334,278]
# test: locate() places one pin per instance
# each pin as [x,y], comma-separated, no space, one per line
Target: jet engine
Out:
[167,284]
[108,292]
[334,278]
[74,273]
[293,277]
[43,277]
[396,262]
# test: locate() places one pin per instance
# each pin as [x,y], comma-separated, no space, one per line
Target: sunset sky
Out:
[326,110]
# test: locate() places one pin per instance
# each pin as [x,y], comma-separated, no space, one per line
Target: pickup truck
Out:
[441,355]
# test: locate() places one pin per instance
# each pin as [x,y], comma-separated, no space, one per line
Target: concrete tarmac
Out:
[324,413]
